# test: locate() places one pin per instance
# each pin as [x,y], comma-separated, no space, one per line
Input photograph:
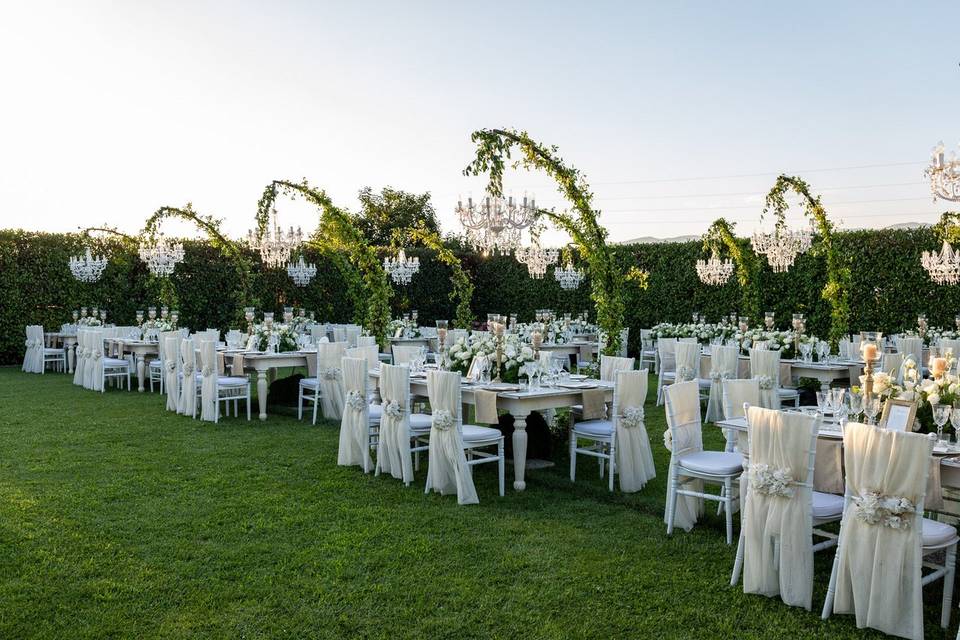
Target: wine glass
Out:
[837,395]
[842,413]
[871,407]
[823,401]
[856,404]
[941,413]
[955,421]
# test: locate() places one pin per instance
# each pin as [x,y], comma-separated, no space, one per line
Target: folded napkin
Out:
[585,353]
[786,376]
[312,366]
[743,368]
[934,498]
[828,468]
[486,406]
[117,349]
[236,369]
[594,407]
[221,366]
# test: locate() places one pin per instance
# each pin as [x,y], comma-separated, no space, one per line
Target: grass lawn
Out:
[119,519]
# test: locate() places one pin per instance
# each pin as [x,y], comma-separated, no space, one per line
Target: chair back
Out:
[736,393]
[893,364]
[765,368]
[370,353]
[393,443]
[340,333]
[911,348]
[683,417]
[443,390]
[724,362]
[170,361]
[352,332]
[187,403]
[403,354]
[366,341]
[610,365]
[688,361]
[210,376]
[667,350]
[629,392]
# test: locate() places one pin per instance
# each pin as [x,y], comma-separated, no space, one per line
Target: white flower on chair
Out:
[889,511]
[766,382]
[771,481]
[685,374]
[442,420]
[632,417]
[331,373]
[668,440]
[717,375]
[355,400]
[393,410]
[171,366]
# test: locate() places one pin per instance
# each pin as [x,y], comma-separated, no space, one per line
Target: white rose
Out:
[933,398]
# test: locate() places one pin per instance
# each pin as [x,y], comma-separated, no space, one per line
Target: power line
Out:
[755,206]
[756,219]
[754,193]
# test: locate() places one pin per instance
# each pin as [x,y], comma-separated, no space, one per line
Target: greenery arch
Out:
[462,292]
[837,289]
[720,236]
[948,227]
[336,234]
[494,146]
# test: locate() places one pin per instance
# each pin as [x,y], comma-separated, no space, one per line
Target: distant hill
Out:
[652,240]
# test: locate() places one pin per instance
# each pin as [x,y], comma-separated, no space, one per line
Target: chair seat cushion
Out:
[475,433]
[50,351]
[375,411]
[115,362]
[718,463]
[420,422]
[598,428]
[827,505]
[937,533]
[669,375]
[310,383]
[787,393]
[155,364]
[230,381]
[705,383]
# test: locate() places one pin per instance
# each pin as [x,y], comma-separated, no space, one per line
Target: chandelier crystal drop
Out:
[87,268]
[301,272]
[275,248]
[162,256]
[944,174]
[494,224]
[536,257]
[568,277]
[781,247]
[714,271]
[943,266]
[401,268]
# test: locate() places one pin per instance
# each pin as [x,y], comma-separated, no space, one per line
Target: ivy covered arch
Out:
[837,289]
[494,148]
[720,236]
[336,236]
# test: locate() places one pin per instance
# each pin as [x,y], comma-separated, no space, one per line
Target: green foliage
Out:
[948,227]
[836,291]
[462,291]
[719,237]
[390,211]
[494,146]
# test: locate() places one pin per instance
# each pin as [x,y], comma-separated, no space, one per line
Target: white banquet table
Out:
[140,350]
[518,404]
[263,363]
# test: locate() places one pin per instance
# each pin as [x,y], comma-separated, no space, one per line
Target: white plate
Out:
[502,386]
[577,385]
[577,376]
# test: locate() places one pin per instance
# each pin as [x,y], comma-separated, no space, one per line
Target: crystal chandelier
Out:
[494,224]
[301,272]
[781,247]
[944,174]
[943,267]
[536,257]
[87,268]
[274,247]
[162,256]
[401,268]
[568,277]
[714,271]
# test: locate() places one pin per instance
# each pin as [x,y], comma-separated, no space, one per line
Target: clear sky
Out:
[678,112]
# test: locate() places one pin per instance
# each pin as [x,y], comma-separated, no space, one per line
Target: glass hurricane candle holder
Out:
[268,319]
[743,323]
[164,312]
[152,313]
[768,319]
[76,315]
[287,314]
[174,316]
[83,312]
[139,316]
[103,315]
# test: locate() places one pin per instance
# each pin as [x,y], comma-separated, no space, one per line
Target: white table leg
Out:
[262,393]
[141,366]
[519,451]
[71,350]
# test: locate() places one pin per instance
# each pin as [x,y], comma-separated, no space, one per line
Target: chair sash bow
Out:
[766,382]
[442,420]
[632,417]
[717,375]
[890,511]
[171,365]
[393,410]
[685,373]
[355,400]
[331,373]
[771,481]
[188,369]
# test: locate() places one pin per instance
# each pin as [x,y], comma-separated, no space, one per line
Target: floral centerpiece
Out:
[933,335]
[157,325]
[300,325]
[403,328]
[516,353]
[926,392]
[89,321]
[281,335]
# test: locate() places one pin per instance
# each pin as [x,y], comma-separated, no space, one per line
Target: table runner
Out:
[486,406]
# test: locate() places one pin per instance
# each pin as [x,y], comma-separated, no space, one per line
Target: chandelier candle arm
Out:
[87,268]
[162,256]
[944,174]
[494,224]
[401,269]
[274,247]
[714,271]
[301,273]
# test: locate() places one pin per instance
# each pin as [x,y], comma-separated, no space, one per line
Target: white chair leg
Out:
[671,499]
[300,404]
[573,457]
[738,562]
[728,498]
[720,504]
[500,465]
[832,586]
[950,563]
[316,401]
[613,461]
[248,402]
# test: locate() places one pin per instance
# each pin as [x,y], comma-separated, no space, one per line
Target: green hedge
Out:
[889,286]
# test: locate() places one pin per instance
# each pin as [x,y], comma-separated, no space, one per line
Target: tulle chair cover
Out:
[369,353]
[171,356]
[188,390]
[878,571]
[340,334]
[667,352]
[355,423]
[366,341]
[688,361]
[393,446]
[765,369]
[683,423]
[95,371]
[611,365]
[634,457]
[893,364]
[723,366]
[403,354]
[448,471]
[33,354]
[735,394]
[352,334]
[209,373]
[455,334]
[329,360]
[777,507]
[80,357]
[911,348]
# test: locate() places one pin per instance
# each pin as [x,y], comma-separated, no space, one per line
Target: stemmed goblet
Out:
[941,413]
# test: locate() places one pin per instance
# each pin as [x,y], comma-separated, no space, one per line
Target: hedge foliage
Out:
[889,286]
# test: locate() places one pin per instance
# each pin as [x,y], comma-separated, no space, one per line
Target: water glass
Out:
[856,404]
[955,421]
[941,413]
[871,407]
[823,402]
